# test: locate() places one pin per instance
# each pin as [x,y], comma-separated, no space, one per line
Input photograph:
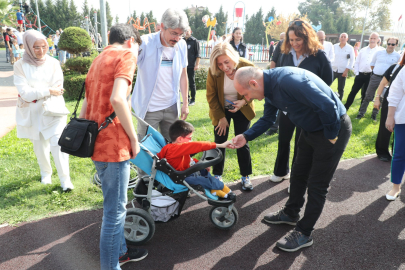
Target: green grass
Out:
[24,198]
[2,49]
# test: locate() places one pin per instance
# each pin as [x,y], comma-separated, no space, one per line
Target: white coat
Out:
[33,83]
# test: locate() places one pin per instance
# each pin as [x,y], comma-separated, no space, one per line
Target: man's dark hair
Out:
[122,32]
[8,29]
[18,28]
[180,128]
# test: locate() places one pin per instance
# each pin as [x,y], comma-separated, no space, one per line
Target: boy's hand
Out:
[208,169]
[225,144]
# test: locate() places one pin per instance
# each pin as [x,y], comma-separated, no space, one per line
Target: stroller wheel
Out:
[221,219]
[139,226]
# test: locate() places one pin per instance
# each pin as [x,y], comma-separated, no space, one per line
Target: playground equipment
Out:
[239,12]
[138,26]
[208,23]
[45,29]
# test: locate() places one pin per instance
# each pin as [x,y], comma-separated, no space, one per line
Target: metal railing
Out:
[257,53]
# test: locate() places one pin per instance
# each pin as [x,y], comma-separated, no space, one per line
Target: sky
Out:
[123,8]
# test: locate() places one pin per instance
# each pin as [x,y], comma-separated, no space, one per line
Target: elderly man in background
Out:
[343,62]
[381,61]
[162,71]
[362,70]
[327,46]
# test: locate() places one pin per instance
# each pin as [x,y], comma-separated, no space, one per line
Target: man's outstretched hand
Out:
[238,142]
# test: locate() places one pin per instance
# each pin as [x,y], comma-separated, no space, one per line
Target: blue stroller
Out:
[139,224]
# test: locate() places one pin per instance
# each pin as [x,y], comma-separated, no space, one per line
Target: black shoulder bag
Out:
[79,136]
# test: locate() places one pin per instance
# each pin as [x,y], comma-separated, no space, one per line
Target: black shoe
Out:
[191,103]
[374,117]
[385,159]
[133,255]
[231,196]
[359,116]
[271,132]
[280,217]
[294,240]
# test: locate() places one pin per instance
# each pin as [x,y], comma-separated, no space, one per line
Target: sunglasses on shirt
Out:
[391,44]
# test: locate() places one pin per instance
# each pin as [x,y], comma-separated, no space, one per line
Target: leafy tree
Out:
[254,28]
[222,18]
[117,19]
[274,29]
[7,15]
[200,31]
[271,13]
[85,9]
[108,15]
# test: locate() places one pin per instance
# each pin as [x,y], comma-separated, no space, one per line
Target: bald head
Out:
[373,39]
[248,82]
[282,36]
[343,38]
[321,36]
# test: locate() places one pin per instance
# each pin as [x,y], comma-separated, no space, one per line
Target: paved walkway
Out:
[8,96]
[359,229]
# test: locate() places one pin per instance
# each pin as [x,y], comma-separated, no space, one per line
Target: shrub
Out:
[79,64]
[201,78]
[75,40]
[73,85]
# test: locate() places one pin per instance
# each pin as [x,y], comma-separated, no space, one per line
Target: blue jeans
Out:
[398,160]
[62,56]
[114,178]
[206,180]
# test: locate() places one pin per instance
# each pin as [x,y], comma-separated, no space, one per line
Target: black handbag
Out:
[79,136]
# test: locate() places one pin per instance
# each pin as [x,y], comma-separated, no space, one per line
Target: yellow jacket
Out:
[216,97]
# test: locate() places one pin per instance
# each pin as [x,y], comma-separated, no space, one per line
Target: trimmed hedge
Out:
[75,40]
[73,85]
[79,64]
[201,78]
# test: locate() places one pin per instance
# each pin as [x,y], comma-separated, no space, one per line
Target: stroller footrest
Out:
[224,203]
[210,195]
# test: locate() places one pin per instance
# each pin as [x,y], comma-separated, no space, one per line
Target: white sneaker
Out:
[66,185]
[47,180]
[277,179]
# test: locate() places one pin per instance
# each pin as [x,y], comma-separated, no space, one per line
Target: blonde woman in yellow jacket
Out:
[225,104]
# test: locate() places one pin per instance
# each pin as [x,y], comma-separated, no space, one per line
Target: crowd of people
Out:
[296,93]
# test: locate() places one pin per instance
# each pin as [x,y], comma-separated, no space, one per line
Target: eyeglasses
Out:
[391,44]
[37,48]
[297,23]
[174,34]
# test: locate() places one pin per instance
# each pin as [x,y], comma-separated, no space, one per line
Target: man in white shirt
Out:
[214,41]
[162,72]
[381,61]
[343,62]
[19,34]
[327,46]
[362,70]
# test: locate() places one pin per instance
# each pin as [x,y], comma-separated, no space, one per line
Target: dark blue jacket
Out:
[309,102]
[318,64]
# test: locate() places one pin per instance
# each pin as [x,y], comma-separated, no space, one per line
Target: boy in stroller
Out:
[178,154]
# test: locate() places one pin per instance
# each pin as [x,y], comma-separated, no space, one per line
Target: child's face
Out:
[187,138]
[21,46]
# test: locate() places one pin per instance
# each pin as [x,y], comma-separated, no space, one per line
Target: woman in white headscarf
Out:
[38,77]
